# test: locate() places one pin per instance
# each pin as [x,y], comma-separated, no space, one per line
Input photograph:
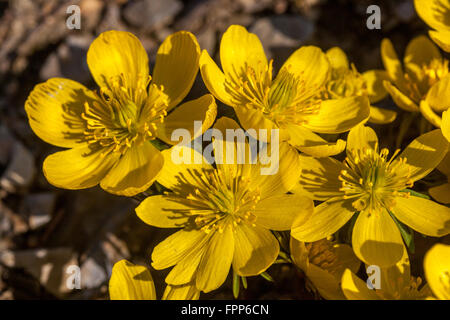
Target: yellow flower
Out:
[424,85]
[441,192]
[226,214]
[436,14]
[292,102]
[324,262]
[437,270]
[132,282]
[109,132]
[395,283]
[371,183]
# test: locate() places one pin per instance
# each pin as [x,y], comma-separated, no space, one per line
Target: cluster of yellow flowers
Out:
[229,214]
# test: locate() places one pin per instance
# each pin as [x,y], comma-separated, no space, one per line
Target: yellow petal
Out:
[361,137]
[445,125]
[311,65]
[328,217]
[239,50]
[283,211]
[299,253]
[326,283]
[252,118]
[374,84]
[116,53]
[255,250]
[185,269]
[423,215]
[131,282]
[214,78]
[310,143]
[135,171]
[400,99]
[376,239]
[320,177]
[176,65]
[203,109]
[438,97]
[339,115]
[381,116]
[425,153]
[429,114]
[391,63]
[288,174]
[77,168]
[184,292]
[441,193]
[337,58]
[177,246]
[442,38]
[176,175]
[216,262]
[433,12]
[54,111]
[163,212]
[356,289]
[419,52]
[437,270]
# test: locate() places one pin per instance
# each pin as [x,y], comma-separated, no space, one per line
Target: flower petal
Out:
[163,212]
[425,153]
[255,250]
[77,168]
[445,124]
[374,84]
[339,115]
[381,116]
[216,261]
[311,65]
[442,38]
[176,247]
[356,289]
[115,53]
[320,177]
[240,49]
[419,52]
[400,99]
[184,292]
[391,63]
[135,171]
[376,239]
[54,111]
[438,97]
[328,217]
[437,269]
[337,58]
[429,114]
[176,65]
[310,143]
[440,193]
[283,211]
[203,109]
[423,215]
[431,11]
[361,137]
[131,282]
[252,118]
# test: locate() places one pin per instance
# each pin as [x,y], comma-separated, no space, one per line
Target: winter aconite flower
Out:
[424,83]
[291,102]
[323,263]
[392,283]
[437,270]
[345,81]
[225,215]
[436,14]
[373,183]
[109,132]
[132,282]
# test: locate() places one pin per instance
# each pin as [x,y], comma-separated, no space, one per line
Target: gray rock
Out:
[20,170]
[151,14]
[6,143]
[39,208]
[253,6]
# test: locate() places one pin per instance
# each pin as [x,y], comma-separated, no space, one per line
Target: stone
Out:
[39,208]
[20,170]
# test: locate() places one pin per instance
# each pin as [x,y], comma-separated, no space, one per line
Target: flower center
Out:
[286,100]
[419,84]
[345,83]
[122,116]
[373,180]
[218,197]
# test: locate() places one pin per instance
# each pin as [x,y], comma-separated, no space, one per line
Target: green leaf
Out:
[244,282]
[416,194]
[236,285]
[267,276]
[406,232]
